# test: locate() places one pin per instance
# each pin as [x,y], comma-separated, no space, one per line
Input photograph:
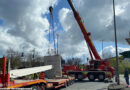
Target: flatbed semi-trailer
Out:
[6,80]
[42,84]
[39,83]
[61,81]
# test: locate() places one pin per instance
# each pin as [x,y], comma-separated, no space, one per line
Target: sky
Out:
[24,25]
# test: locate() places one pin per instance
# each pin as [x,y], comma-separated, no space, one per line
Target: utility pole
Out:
[117,67]
[57,42]
[11,60]
[102,50]
[129,34]
[33,55]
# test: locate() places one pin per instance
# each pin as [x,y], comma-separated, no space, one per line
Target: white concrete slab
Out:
[27,71]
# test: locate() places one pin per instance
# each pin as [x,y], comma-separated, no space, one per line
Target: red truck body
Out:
[66,69]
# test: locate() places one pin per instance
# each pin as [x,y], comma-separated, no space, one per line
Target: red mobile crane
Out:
[98,68]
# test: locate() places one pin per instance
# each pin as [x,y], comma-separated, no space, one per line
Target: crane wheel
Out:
[101,77]
[80,77]
[91,77]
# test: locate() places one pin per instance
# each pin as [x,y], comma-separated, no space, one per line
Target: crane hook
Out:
[51,9]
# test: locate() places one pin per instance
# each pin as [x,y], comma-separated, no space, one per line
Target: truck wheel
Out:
[65,85]
[42,87]
[91,77]
[101,77]
[71,75]
[80,77]
[36,87]
[73,81]
[68,83]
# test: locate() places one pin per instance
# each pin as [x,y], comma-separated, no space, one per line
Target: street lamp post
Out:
[57,42]
[102,50]
[117,67]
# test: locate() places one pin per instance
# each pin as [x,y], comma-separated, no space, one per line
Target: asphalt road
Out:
[86,85]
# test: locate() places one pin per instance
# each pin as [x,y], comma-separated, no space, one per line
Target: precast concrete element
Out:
[27,71]
[55,61]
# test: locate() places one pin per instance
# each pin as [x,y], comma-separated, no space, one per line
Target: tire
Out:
[35,87]
[91,77]
[101,77]
[68,83]
[71,74]
[80,77]
[65,86]
[42,87]
[73,81]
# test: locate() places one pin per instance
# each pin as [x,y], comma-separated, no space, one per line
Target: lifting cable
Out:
[52,27]
[49,39]
[49,36]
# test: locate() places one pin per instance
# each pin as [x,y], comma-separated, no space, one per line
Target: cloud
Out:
[98,19]
[109,51]
[71,40]
[23,24]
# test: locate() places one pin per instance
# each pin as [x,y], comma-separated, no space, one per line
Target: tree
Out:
[122,64]
[74,61]
[14,57]
[62,61]
[34,60]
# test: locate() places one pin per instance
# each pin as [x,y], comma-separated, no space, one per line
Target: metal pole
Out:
[129,34]
[33,56]
[102,48]
[11,61]
[117,67]
[57,42]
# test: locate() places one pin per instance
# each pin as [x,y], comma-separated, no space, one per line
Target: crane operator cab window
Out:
[97,64]
[92,62]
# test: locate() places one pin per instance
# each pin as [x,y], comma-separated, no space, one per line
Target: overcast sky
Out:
[24,24]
